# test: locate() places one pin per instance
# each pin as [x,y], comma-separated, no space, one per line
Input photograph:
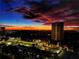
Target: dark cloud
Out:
[48,11]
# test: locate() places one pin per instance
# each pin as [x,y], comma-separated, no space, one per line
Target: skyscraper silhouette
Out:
[57,32]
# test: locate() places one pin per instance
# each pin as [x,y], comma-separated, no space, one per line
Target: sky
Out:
[9,15]
[13,18]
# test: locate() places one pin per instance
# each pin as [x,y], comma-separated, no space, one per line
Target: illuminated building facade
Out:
[57,33]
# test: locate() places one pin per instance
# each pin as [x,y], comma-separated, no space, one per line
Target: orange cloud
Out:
[71,28]
[20,28]
[38,28]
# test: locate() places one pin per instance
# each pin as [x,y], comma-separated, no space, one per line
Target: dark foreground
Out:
[23,52]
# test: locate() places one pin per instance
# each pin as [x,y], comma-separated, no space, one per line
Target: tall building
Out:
[2,32]
[57,33]
[2,29]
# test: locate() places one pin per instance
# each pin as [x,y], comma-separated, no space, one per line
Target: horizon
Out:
[8,27]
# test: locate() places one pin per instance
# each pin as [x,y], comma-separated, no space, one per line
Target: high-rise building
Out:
[2,29]
[57,32]
[2,32]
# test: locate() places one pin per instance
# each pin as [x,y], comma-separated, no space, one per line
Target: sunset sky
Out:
[69,13]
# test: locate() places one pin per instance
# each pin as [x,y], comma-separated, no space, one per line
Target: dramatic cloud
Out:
[49,11]
[40,11]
